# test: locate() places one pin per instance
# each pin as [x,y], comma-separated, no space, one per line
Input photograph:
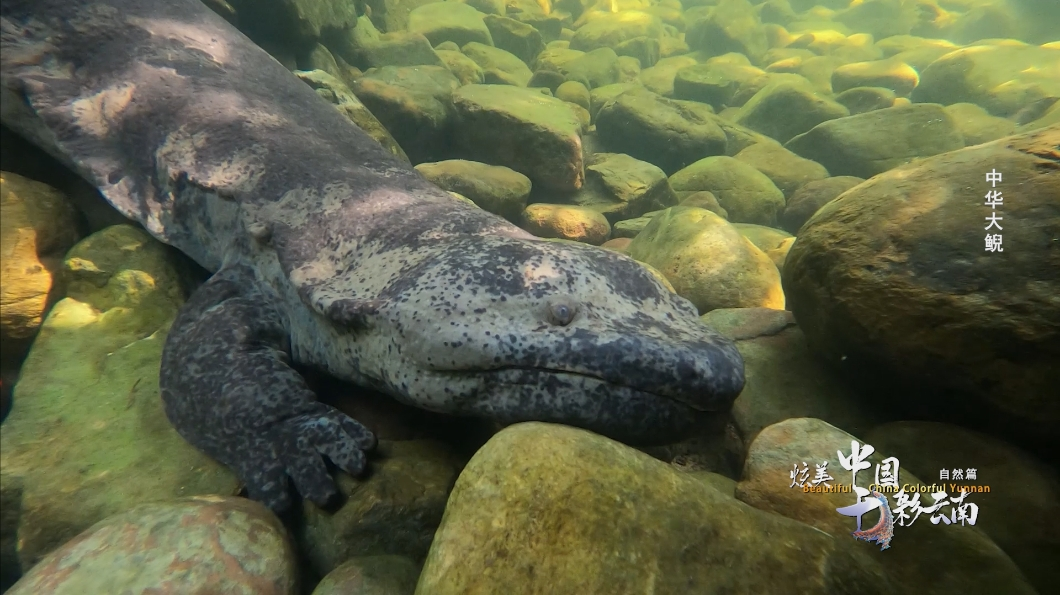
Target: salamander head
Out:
[521,329]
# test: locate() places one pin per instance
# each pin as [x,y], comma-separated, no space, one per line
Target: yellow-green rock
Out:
[544,508]
[87,434]
[708,261]
[566,222]
[37,226]
[923,558]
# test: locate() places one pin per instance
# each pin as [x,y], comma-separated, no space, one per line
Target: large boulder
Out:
[544,508]
[498,66]
[782,110]
[621,187]
[894,280]
[731,26]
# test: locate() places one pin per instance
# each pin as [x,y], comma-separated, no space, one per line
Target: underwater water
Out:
[530,296]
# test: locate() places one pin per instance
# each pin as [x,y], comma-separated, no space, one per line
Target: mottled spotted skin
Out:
[331,253]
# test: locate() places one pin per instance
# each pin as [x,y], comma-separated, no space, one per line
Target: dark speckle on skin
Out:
[329,252]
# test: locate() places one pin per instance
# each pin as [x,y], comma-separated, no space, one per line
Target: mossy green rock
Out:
[544,508]
[713,82]
[874,142]
[413,102]
[667,133]
[866,99]
[337,93]
[198,546]
[449,21]
[87,435]
[787,170]
[782,110]
[933,559]
[1000,78]
[621,187]
[747,195]
[495,188]
[977,126]
[504,67]
[708,261]
[609,30]
[466,70]
[873,281]
[393,511]
[519,39]
[732,26]
[598,67]
[534,134]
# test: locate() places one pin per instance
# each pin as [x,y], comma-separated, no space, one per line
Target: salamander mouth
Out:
[629,414]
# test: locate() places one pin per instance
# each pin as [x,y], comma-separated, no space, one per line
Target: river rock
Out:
[597,68]
[787,170]
[37,226]
[812,196]
[337,93]
[621,187]
[977,126]
[197,546]
[922,557]
[622,521]
[449,21]
[413,102]
[784,379]
[393,511]
[732,26]
[782,110]
[574,92]
[371,575]
[708,261]
[609,30]
[579,224]
[660,78]
[714,82]
[667,133]
[1000,78]
[498,66]
[466,70]
[866,99]
[874,142]
[873,281]
[517,38]
[536,135]
[495,188]
[747,195]
[890,74]
[89,392]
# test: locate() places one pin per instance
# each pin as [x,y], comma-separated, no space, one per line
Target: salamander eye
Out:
[561,314]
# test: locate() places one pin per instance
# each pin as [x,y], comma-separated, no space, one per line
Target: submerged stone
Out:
[548,508]
[534,134]
[708,261]
[896,279]
[874,142]
[198,546]
[91,378]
